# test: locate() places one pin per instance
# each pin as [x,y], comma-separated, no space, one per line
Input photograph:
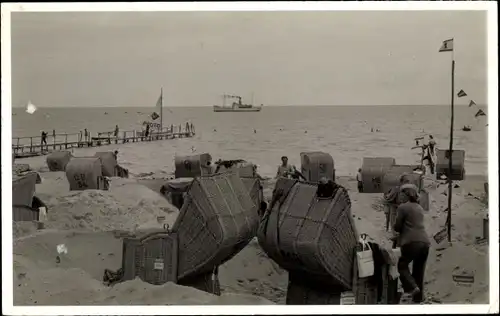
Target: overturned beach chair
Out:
[308,233]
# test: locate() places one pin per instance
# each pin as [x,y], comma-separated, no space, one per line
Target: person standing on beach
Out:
[117,130]
[359,178]
[393,198]
[86,134]
[432,145]
[414,243]
[284,169]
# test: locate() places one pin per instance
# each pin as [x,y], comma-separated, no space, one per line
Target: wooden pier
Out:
[30,146]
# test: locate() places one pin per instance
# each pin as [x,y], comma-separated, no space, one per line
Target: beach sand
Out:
[86,221]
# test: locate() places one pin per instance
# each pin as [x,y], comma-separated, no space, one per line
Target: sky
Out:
[279,58]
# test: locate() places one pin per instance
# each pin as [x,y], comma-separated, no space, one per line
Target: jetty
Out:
[31,146]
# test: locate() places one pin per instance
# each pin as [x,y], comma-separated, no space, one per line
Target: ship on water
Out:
[237,106]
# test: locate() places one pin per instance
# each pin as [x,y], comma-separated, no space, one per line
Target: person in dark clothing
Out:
[414,243]
[393,198]
[147,130]
[359,179]
[44,139]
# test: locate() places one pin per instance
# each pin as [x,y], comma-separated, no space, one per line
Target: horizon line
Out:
[273,105]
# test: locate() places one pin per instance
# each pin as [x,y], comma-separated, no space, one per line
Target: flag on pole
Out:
[447,46]
[159,104]
[461,93]
[471,103]
[480,113]
[31,108]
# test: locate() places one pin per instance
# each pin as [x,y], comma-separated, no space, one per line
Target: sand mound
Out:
[88,251]
[21,229]
[252,272]
[126,206]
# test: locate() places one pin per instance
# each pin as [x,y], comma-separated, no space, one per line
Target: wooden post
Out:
[134,136]
[54,141]
[31,144]
[450,165]
[66,141]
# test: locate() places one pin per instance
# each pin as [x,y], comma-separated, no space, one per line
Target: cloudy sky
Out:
[294,58]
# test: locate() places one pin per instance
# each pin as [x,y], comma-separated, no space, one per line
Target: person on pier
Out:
[44,140]
[117,131]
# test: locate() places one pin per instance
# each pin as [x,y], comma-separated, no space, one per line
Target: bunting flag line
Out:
[480,113]
[471,103]
[461,93]
[447,46]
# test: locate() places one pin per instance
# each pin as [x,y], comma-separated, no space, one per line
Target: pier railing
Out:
[33,145]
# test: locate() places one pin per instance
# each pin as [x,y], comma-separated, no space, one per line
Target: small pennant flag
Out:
[461,93]
[480,113]
[154,116]
[471,103]
[447,46]
[31,108]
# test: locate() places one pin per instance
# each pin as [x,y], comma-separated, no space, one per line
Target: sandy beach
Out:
[87,222]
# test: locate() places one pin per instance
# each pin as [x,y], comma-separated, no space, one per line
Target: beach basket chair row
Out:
[217,220]
[87,172]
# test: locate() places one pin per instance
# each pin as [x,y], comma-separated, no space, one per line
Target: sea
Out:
[263,137]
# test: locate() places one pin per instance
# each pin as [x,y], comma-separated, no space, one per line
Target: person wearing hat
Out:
[393,198]
[414,243]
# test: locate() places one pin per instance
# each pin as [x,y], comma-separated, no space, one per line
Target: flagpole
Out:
[161,110]
[450,182]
